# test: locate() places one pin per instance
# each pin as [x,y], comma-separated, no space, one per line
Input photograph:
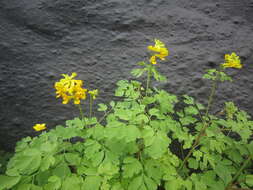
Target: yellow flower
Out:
[39,127]
[161,51]
[232,61]
[93,93]
[69,88]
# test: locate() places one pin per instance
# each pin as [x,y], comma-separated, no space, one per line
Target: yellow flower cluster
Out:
[39,127]
[93,93]
[232,61]
[160,49]
[69,88]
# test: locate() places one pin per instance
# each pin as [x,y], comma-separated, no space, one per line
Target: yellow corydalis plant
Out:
[69,88]
[232,61]
[39,127]
[161,51]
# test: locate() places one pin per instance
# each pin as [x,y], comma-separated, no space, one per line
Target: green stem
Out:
[91,103]
[81,111]
[196,143]
[106,113]
[148,80]
[239,172]
[205,124]
[210,99]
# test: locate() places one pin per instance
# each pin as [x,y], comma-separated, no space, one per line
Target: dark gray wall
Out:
[102,40]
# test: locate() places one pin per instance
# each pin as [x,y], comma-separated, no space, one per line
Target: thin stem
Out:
[148,80]
[205,124]
[214,87]
[106,113]
[196,143]
[239,172]
[210,99]
[91,103]
[182,151]
[81,111]
[199,113]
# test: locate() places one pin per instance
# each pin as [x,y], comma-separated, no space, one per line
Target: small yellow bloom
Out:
[93,93]
[161,51]
[39,127]
[232,61]
[69,88]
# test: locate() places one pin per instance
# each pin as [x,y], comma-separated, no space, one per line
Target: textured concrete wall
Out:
[102,40]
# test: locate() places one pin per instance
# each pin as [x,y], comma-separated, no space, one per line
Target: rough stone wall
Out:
[102,40]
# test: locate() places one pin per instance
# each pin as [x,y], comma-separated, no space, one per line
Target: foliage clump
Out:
[144,141]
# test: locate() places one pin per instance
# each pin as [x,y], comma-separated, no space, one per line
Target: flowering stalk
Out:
[91,104]
[213,90]
[202,131]
[231,61]
[80,110]
[148,79]
[93,94]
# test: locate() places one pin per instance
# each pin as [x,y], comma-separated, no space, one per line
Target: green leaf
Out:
[197,154]
[90,121]
[142,63]
[24,187]
[135,183]
[141,118]
[75,123]
[72,158]
[155,169]
[131,167]
[92,147]
[112,104]
[124,114]
[158,146]
[154,112]
[97,132]
[102,107]
[62,171]
[131,133]
[72,182]
[211,74]
[97,158]
[187,184]
[107,168]
[149,183]
[7,182]
[249,180]
[174,184]
[47,162]
[66,133]
[157,75]
[224,77]
[197,182]
[148,100]
[137,72]
[223,173]
[54,183]
[48,147]
[188,100]
[191,110]
[209,178]
[193,163]
[117,186]
[250,148]
[29,187]
[187,120]
[200,106]
[26,162]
